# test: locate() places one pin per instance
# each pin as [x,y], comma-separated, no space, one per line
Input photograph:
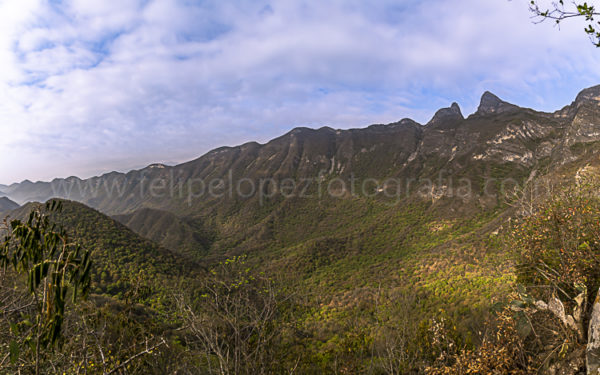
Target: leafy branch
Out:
[54,267]
[558,12]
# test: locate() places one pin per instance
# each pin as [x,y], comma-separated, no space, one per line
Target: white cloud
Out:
[89,86]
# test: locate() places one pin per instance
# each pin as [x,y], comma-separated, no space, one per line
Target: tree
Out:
[559,12]
[54,268]
[235,321]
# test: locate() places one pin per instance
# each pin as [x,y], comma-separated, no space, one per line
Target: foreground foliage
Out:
[240,316]
[549,324]
[54,267]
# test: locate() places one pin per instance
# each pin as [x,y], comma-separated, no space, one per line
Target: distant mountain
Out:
[497,132]
[7,205]
[499,140]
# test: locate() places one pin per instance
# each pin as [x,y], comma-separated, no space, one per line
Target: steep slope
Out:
[168,230]
[121,258]
[7,205]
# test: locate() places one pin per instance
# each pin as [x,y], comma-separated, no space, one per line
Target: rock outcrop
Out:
[593,340]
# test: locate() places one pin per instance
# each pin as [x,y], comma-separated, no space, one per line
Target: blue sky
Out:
[87,87]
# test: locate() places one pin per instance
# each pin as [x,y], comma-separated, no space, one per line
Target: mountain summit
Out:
[490,103]
[448,115]
[591,94]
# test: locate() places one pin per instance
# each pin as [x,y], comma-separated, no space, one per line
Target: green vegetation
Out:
[558,13]
[343,299]
[548,323]
[53,267]
[187,237]
[426,280]
[387,290]
[46,260]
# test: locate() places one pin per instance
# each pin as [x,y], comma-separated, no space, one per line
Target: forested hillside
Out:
[168,230]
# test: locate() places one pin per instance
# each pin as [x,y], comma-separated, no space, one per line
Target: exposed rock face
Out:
[491,104]
[514,143]
[446,117]
[585,126]
[589,95]
[593,344]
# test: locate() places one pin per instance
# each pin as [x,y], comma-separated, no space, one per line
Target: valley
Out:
[370,236]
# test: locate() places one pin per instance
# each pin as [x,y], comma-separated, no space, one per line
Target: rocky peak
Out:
[583,113]
[490,103]
[447,115]
[591,94]
[455,108]
[408,121]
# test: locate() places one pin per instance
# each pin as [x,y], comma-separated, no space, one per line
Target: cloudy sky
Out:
[92,86]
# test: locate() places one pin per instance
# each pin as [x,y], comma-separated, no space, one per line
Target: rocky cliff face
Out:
[491,104]
[584,126]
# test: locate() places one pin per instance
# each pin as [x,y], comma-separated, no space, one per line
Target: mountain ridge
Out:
[489,103]
[168,230]
[498,140]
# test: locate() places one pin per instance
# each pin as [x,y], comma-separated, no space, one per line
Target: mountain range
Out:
[498,140]
[282,201]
